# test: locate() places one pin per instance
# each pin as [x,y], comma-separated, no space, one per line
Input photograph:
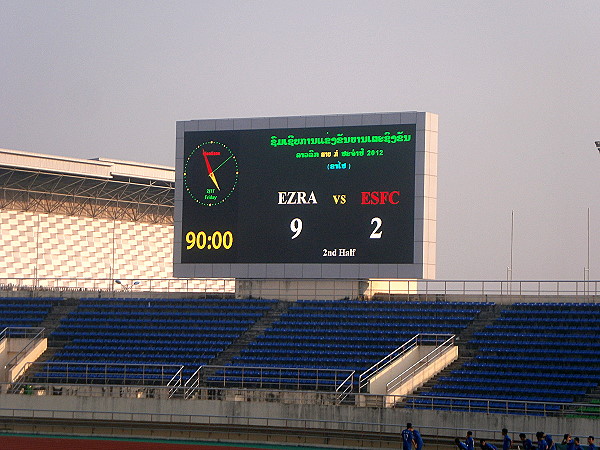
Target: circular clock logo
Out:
[210,173]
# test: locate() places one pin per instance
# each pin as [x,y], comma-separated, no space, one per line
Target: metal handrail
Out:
[264,380]
[102,373]
[424,362]
[385,361]
[526,288]
[8,333]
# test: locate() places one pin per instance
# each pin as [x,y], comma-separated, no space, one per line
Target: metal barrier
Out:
[34,334]
[276,378]
[101,374]
[423,289]
[439,350]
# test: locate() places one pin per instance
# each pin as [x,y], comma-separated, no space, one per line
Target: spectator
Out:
[550,442]
[577,445]
[407,437]
[507,441]
[486,446]
[460,445]
[591,445]
[527,444]
[470,442]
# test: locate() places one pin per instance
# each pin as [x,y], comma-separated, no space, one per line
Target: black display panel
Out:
[343,195]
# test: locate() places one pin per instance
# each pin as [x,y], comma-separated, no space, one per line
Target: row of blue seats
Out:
[95,357]
[538,361]
[520,326]
[580,322]
[541,334]
[338,327]
[258,353]
[233,301]
[513,382]
[555,346]
[187,319]
[287,339]
[171,348]
[541,351]
[379,312]
[167,339]
[374,303]
[563,313]
[297,361]
[546,305]
[292,345]
[528,374]
[174,308]
[129,332]
[162,316]
[283,372]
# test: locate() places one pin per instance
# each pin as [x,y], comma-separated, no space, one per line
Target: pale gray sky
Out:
[515,84]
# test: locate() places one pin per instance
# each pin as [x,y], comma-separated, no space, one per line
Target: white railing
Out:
[363,379]
[530,290]
[34,334]
[425,361]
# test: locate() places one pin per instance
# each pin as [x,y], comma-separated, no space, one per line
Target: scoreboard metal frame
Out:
[307,197]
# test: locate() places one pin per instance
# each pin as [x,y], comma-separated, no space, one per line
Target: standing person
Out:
[542,444]
[577,445]
[470,442]
[527,444]
[460,445]
[486,446]
[591,445]
[506,441]
[550,442]
[418,440]
[407,437]
[569,442]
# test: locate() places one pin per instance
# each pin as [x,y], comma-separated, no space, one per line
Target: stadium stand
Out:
[534,352]
[142,331]
[24,312]
[350,335]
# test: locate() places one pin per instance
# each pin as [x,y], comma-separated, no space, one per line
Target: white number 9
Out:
[296,227]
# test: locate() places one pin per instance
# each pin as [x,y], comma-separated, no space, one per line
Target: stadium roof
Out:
[97,167]
[99,188]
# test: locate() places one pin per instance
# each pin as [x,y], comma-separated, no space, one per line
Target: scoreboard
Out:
[338,199]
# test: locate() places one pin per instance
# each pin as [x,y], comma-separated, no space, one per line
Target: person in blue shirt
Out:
[591,445]
[418,440]
[460,445]
[542,444]
[507,441]
[550,442]
[527,444]
[486,446]
[470,442]
[577,445]
[568,441]
[407,437]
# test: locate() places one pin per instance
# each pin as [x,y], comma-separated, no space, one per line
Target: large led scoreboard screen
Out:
[255,202]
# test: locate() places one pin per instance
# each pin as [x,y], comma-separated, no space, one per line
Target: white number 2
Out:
[376,234]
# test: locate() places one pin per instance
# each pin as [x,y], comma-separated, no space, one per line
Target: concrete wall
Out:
[384,420]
